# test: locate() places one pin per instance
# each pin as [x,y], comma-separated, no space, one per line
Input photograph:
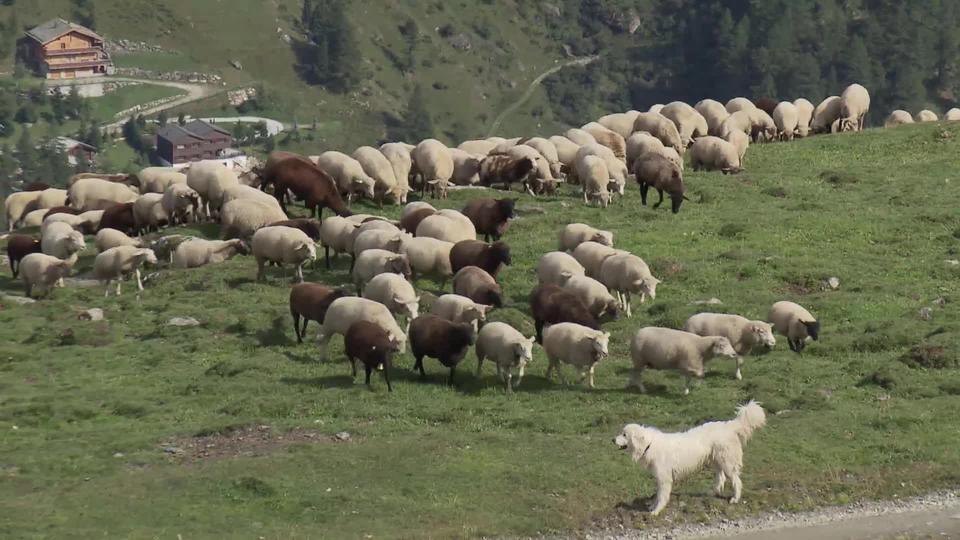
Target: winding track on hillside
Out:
[194,92]
[583,61]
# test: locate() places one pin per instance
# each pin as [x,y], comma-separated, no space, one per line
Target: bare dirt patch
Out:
[245,441]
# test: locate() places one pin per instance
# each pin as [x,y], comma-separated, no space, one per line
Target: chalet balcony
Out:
[79,65]
[69,52]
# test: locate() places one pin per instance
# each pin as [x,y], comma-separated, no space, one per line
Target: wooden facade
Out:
[195,141]
[63,50]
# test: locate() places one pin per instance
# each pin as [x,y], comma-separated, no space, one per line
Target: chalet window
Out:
[180,147]
[63,45]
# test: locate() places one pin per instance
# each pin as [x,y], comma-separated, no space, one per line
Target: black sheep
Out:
[441,339]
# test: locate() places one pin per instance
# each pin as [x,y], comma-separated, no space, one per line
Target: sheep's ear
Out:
[532,339]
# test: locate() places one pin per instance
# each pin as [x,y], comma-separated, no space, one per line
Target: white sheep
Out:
[579,137]
[952,115]
[739,121]
[283,245]
[428,256]
[480,147]
[660,127]
[148,212]
[196,252]
[389,240]
[60,240]
[38,270]
[413,207]
[466,167]
[549,152]
[591,255]
[740,141]
[399,157]
[110,238]
[689,122]
[794,322]
[343,312]
[627,274]
[574,344]
[594,177]
[86,193]
[639,144]
[621,123]
[743,333]
[433,160]
[574,234]
[372,225]
[158,179]
[566,150]
[376,165]
[854,106]
[804,116]
[119,262]
[714,113]
[927,115]
[460,309]
[713,153]
[34,218]
[241,218]
[347,173]
[336,233]
[373,262]
[826,114]
[239,191]
[607,137]
[552,266]
[17,205]
[595,295]
[740,104]
[762,128]
[210,179]
[395,292]
[898,117]
[786,118]
[52,198]
[616,168]
[664,348]
[181,201]
[447,226]
[508,349]
[544,172]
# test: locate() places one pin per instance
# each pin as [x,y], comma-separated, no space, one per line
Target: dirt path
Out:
[533,86]
[194,92]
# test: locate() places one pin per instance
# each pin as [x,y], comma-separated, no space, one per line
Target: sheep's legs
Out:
[300,273]
[636,382]
[139,281]
[386,374]
[738,375]
[106,290]
[626,304]
[591,375]
[519,376]
[509,380]
[686,386]
[480,365]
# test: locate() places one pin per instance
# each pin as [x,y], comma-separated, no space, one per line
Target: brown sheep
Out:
[552,304]
[411,221]
[662,174]
[487,257]
[310,301]
[477,285]
[439,338]
[372,345]
[119,217]
[36,186]
[310,227]
[505,169]
[62,210]
[307,182]
[766,104]
[491,217]
[18,247]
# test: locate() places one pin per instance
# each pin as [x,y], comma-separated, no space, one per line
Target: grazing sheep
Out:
[85,194]
[714,113]
[78,222]
[120,217]
[575,234]
[371,225]
[542,181]
[439,338]
[158,179]
[18,247]
[250,193]
[39,270]
[595,296]
[400,161]
[607,137]
[689,122]
[111,238]
[499,168]
[627,274]
[447,225]
[373,262]
[311,301]
[374,347]
[616,168]
[740,104]
[428,257]
[641,144]
[210,179]
[660,127]
[348,174]
[242,218]
[345,311]
[826,114]
[118,263]
[766,104]
[198,252]
[854,106]
[738,121]
[433,160]
[508,349]
[594,177]
[395,292]
[34,218]
[576,345]
[786,118]
[566,151]
[952,115]
[490,217]
[148,213]
[551,304]
[466,167]
[307,182]
[715,154]
[658,172]
[897,118]
[309,226]
[579,137]
[549,152]
[552,266]
[336,233]
[459,309]
[743,333]
[621,123]
[62,210]
[477,285]
[51,198]
[762,127]
[656,108]
[794,322]
[282,245]
[664,348]
[412,220]
[478,147]
[180,202]
[61,241]
[926,115]
[740,141]
[591,255]
[488,257]
[804,116]
[377,166]
[377,239]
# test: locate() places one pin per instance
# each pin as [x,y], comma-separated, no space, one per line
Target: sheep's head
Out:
[523,350]
[506,208]
[366,185]
[763,333]
[411,307]
[148,256]
[400,265]
[813,329]
[611,310]
[306,251]
[647,286]
[600,342]
[723,347]
[477,312]
[394,243]
[241,246]
[501,251]
[603,237]
[75,242]
[494,298]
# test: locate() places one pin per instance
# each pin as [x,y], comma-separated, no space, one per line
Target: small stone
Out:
[834,283]
[926,313]
[710,302]
[236,65]
[342,436]
[952,262]
[173,450]
[92,314]
[118,455]
[183,321]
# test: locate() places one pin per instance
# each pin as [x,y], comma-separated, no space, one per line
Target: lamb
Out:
[926,115]
[787,118]
[347,173]
[549,152]
[84,194]
[712,154]
[377,166]
[480,147]
[198,252]
[804,116]
[158,179]
[466,167]
[591,255]
[689,122]
[826,114]
[608,138]
[372,262]
[743,333]
[242,218]
[61,241]
[148,213]
[579,137]
[395,292]
[111,238]
[664,348]
[740,141]
[628,274]
[307,182]
[552,266]
[18,247]
[714,113]
[478,285]
[508,349]
[439,338]
[794,322]
[309,226]
[661,174]
[336,233]
[428,256]
[574,344]
[740,104]
[551,304]
[310,301]
[854,106]
[488,257]
[180,201]
[621,123]
[283,245]
[459,309]
[119,262]
[897,118]
[594,177]
[575,234]
[952,115]
[490,217]
[447,225]
[599,301]
[433,160]
[39,270]
[367,342]
[662,128]
[343,312]
[401,163]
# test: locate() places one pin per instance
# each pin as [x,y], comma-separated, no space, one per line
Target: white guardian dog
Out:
[672,456]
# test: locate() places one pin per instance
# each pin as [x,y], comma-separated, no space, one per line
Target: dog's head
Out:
[636,439]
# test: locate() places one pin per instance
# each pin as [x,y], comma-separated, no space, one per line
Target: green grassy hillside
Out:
[132,428]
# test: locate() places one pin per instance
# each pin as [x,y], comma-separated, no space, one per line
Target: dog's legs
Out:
[721,482]
[737,488]
[664,485]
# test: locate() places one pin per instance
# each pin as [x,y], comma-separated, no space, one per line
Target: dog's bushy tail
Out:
[750,417]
